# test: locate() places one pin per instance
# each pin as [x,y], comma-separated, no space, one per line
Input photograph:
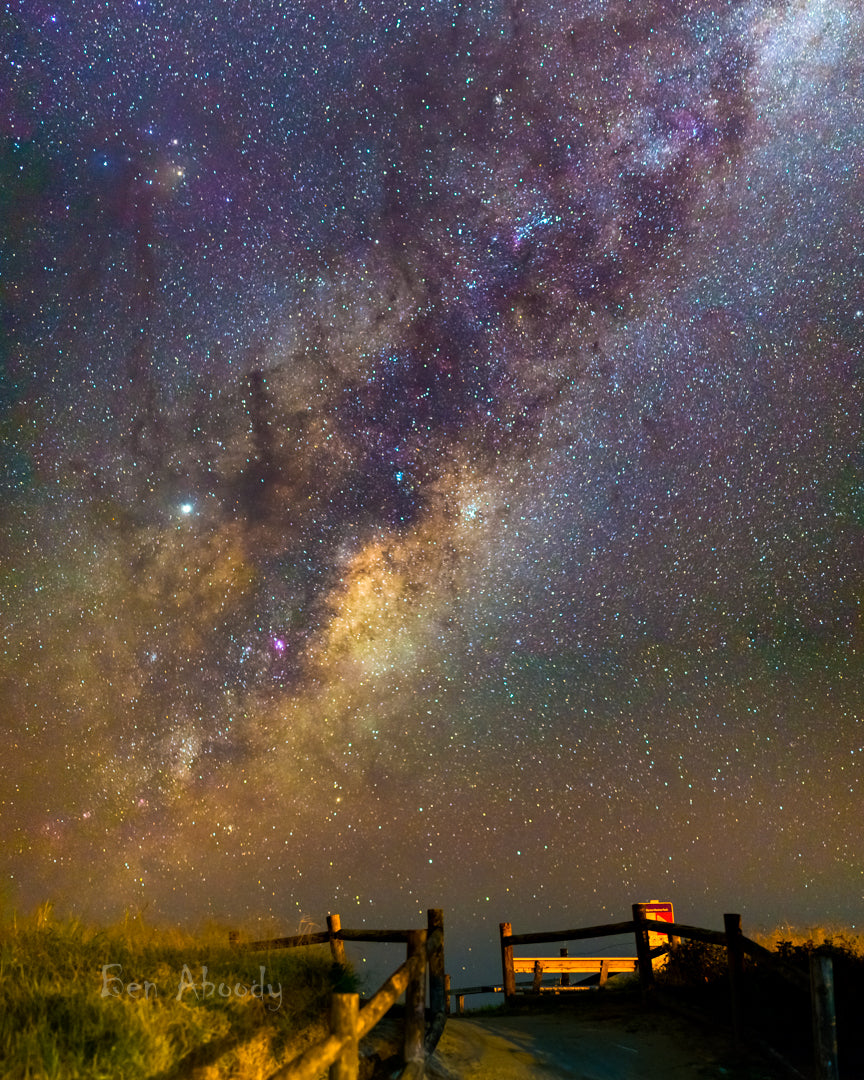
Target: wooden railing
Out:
[349,1022]
[600,965]
[820,983]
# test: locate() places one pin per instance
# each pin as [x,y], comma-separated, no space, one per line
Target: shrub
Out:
[693,963]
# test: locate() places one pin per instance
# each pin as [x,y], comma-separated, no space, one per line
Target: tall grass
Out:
[69,1007]
[785,936]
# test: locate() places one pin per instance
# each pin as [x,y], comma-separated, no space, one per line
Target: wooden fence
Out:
[349,1022]
[604,966]
[820,983]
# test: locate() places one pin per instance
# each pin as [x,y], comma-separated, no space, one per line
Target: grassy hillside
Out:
[128,1001]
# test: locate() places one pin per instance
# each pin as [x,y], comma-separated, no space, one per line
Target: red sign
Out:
[659,910]
[662,912]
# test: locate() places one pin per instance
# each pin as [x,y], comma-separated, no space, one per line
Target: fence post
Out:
[508,974]
[824,1019]
[460,1003]
[344,1013]
[337,946]
[565,975]
[735,963]
[538,977]
[234,938]
[447,994]
[643,949]
[415,1001]
[435,921]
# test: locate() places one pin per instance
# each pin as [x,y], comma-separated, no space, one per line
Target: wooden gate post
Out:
[439,1001]
[735,962]
[435,921]
[344,1014]
[337,946]
[415,1002]
[508,975]
[447,994]
[824,1018]
[643,949]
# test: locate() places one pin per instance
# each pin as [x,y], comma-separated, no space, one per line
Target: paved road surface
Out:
[568,1047]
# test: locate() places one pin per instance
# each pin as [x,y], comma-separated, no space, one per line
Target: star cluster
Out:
[431,458]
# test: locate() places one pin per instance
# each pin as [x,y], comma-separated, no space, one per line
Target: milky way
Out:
[432,467]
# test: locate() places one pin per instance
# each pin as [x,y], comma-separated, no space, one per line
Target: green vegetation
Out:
[128,1001]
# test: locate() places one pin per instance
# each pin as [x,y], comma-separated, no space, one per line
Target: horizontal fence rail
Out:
[581,965]
[579,934]
[323,937]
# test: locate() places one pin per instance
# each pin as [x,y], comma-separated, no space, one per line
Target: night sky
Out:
[432,462]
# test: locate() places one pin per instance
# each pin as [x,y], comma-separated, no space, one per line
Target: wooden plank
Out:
[695,933]
[435,955]
[434,1032]
[579,934]
[386,996]
[343,1023]
[311,1063]
[643,947]
[337,949]
[557,965]
[824,1019]
[434,941]
[294,942]
[415,1000]
[735,964]
[435,952]
[395,936]
[506,931]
